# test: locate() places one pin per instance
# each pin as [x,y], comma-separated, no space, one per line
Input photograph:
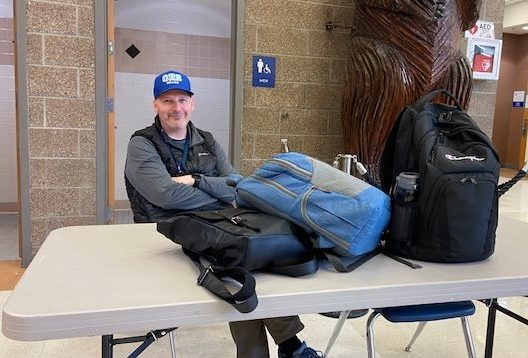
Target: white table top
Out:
[96,280]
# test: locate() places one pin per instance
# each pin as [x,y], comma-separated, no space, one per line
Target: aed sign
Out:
[482,30]
[263,71]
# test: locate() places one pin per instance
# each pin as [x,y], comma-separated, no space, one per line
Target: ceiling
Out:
[515,17]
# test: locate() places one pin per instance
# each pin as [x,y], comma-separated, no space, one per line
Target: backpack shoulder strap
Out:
[419,104]
[244,300]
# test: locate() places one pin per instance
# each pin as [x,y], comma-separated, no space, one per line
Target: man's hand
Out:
[184,179]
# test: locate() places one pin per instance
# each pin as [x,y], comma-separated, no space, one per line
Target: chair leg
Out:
[370,334]
[418,331]
[468,338]
[172,338]
[337,329]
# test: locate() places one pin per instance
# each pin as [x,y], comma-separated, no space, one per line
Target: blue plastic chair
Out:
[416,313]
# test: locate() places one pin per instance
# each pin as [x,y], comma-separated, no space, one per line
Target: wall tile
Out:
[36,112]
[87,83]
[39,232]
[261,120]
[69,51]
[250,37]
[53,143]
[267,145]
[284,95]
[485,122]
[52,81]
[57,223]
[34,49]
[247,146]
[277,40]
[323,147]
[87,143]
[87,202]
[482,104]
[303,69]
[328,44]
[248,166]
[250,98]
[37,173]
[70,173]
[337,71]
[304,121]
[295,142]
[484,86]
[335,126]
[51,18]
[323,96]
[494,11]
[51,202]
[295,14]
[86,21]
[70,113]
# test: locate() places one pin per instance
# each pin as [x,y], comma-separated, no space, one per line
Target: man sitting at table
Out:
[173,166]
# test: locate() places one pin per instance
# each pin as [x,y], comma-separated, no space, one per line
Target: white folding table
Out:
[107,279]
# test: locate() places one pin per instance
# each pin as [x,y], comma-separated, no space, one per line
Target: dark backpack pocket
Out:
[459,221]
[402,227]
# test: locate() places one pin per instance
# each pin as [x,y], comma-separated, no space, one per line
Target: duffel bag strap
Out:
[347,264]
[244,300]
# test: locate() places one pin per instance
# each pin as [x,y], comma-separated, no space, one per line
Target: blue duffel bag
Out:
[345,215]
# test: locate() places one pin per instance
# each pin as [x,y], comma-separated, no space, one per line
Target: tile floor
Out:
[439,340]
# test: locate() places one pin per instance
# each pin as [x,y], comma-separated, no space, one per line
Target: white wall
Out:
[8,157]
[197,17]
[6,8]
[134,111]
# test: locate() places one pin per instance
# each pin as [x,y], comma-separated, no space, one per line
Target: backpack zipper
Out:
[303,173]
[304,212]
[273,184]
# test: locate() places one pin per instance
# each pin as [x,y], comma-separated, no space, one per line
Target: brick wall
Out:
[304,106]
[61,97]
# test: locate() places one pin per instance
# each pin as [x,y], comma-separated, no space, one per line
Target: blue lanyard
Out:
[180,164]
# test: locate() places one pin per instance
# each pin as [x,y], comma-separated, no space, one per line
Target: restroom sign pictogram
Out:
[263,71]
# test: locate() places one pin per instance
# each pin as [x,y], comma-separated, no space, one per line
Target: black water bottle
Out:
[406,187]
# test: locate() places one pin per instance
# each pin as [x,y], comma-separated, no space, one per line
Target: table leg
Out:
[107,348]
[490,330]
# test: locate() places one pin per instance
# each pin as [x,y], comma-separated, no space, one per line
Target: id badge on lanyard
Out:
[180,164]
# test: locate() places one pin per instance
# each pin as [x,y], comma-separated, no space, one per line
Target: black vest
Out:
[201,141]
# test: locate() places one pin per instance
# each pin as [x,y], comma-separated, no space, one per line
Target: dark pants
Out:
[250,336]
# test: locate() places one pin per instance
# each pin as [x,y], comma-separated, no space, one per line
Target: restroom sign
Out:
[263,71]
[518,99]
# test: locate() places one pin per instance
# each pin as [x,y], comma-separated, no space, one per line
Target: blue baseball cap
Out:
[171,80]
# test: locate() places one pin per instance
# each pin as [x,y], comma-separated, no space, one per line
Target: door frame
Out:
[103,125]
[24,202]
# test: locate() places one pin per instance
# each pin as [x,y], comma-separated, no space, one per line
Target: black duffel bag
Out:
[236,241]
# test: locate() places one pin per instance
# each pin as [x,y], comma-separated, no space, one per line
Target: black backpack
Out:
[454,216]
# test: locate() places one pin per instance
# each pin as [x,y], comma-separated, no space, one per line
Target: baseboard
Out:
[121,204]
[8,207]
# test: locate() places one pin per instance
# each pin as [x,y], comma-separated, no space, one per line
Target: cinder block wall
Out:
[61,90]
[304,107]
